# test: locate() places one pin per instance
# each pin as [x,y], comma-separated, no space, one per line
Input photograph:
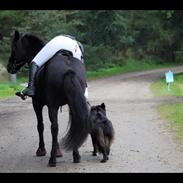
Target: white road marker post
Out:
[169,78]
[13,78]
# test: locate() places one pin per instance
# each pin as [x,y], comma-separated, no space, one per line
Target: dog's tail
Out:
[111,134]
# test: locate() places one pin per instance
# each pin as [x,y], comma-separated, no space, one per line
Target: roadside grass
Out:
[8,89]
[173,113]
[130,65]
[160,87]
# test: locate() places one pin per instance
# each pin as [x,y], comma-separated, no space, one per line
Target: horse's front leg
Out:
[53,112]
[76,156]
[41,151]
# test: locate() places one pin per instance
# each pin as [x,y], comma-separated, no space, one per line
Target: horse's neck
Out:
[35,45]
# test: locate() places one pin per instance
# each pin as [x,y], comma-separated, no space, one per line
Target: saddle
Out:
[64,52]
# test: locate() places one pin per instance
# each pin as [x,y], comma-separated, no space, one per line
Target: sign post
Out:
[169,78]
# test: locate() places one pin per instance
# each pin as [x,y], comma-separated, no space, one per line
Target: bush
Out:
[179,56]
[97,56]
[3,73]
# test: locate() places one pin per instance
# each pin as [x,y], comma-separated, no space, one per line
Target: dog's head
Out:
[98,113]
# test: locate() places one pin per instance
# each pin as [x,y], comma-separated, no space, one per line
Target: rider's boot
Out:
[30,90]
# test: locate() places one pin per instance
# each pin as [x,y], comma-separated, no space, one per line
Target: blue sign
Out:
[169,77]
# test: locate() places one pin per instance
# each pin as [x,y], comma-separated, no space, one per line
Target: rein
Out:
[15,65]
[25,60]
[18,64]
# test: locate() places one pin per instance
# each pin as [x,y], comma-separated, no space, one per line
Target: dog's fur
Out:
[102,131]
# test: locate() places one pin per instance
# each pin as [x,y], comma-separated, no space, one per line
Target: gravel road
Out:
[143,141]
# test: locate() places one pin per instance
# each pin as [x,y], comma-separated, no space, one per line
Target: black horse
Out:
[59,82]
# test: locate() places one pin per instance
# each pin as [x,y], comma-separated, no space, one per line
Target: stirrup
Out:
[28,92]
[21,95]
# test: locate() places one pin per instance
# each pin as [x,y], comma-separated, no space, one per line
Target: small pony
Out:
[102,131]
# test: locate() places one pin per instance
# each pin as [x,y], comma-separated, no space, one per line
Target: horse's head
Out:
[23,48]
[18,54]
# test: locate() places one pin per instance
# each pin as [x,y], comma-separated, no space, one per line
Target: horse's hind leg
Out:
[53,112]
[76,156]
[41,151]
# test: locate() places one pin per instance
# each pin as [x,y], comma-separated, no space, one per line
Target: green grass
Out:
[8,89]
[160,88]
[173,113]
[130,65]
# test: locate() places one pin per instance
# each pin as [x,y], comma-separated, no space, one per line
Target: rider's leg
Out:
[30,90]
[53,46]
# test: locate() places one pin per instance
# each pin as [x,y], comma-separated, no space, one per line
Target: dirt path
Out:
[143,141]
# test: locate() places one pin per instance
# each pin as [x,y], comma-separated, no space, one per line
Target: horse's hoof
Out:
[94,154]
[40,152]
[59,153]
[76,161]
[52,164]
[103,161]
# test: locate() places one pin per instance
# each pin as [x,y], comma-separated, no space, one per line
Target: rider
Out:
[64,42]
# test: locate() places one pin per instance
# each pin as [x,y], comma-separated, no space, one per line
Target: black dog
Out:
[102,132]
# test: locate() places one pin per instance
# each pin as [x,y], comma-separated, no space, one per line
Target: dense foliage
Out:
[108,36]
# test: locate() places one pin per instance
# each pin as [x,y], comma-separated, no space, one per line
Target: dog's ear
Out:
[103,106]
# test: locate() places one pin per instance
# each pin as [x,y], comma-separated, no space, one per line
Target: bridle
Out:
[23,62]
[15,65]
[18,64]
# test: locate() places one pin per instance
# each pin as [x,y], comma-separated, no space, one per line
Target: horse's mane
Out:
[34,40]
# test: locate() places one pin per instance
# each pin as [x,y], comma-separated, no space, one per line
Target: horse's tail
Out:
[79,124]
